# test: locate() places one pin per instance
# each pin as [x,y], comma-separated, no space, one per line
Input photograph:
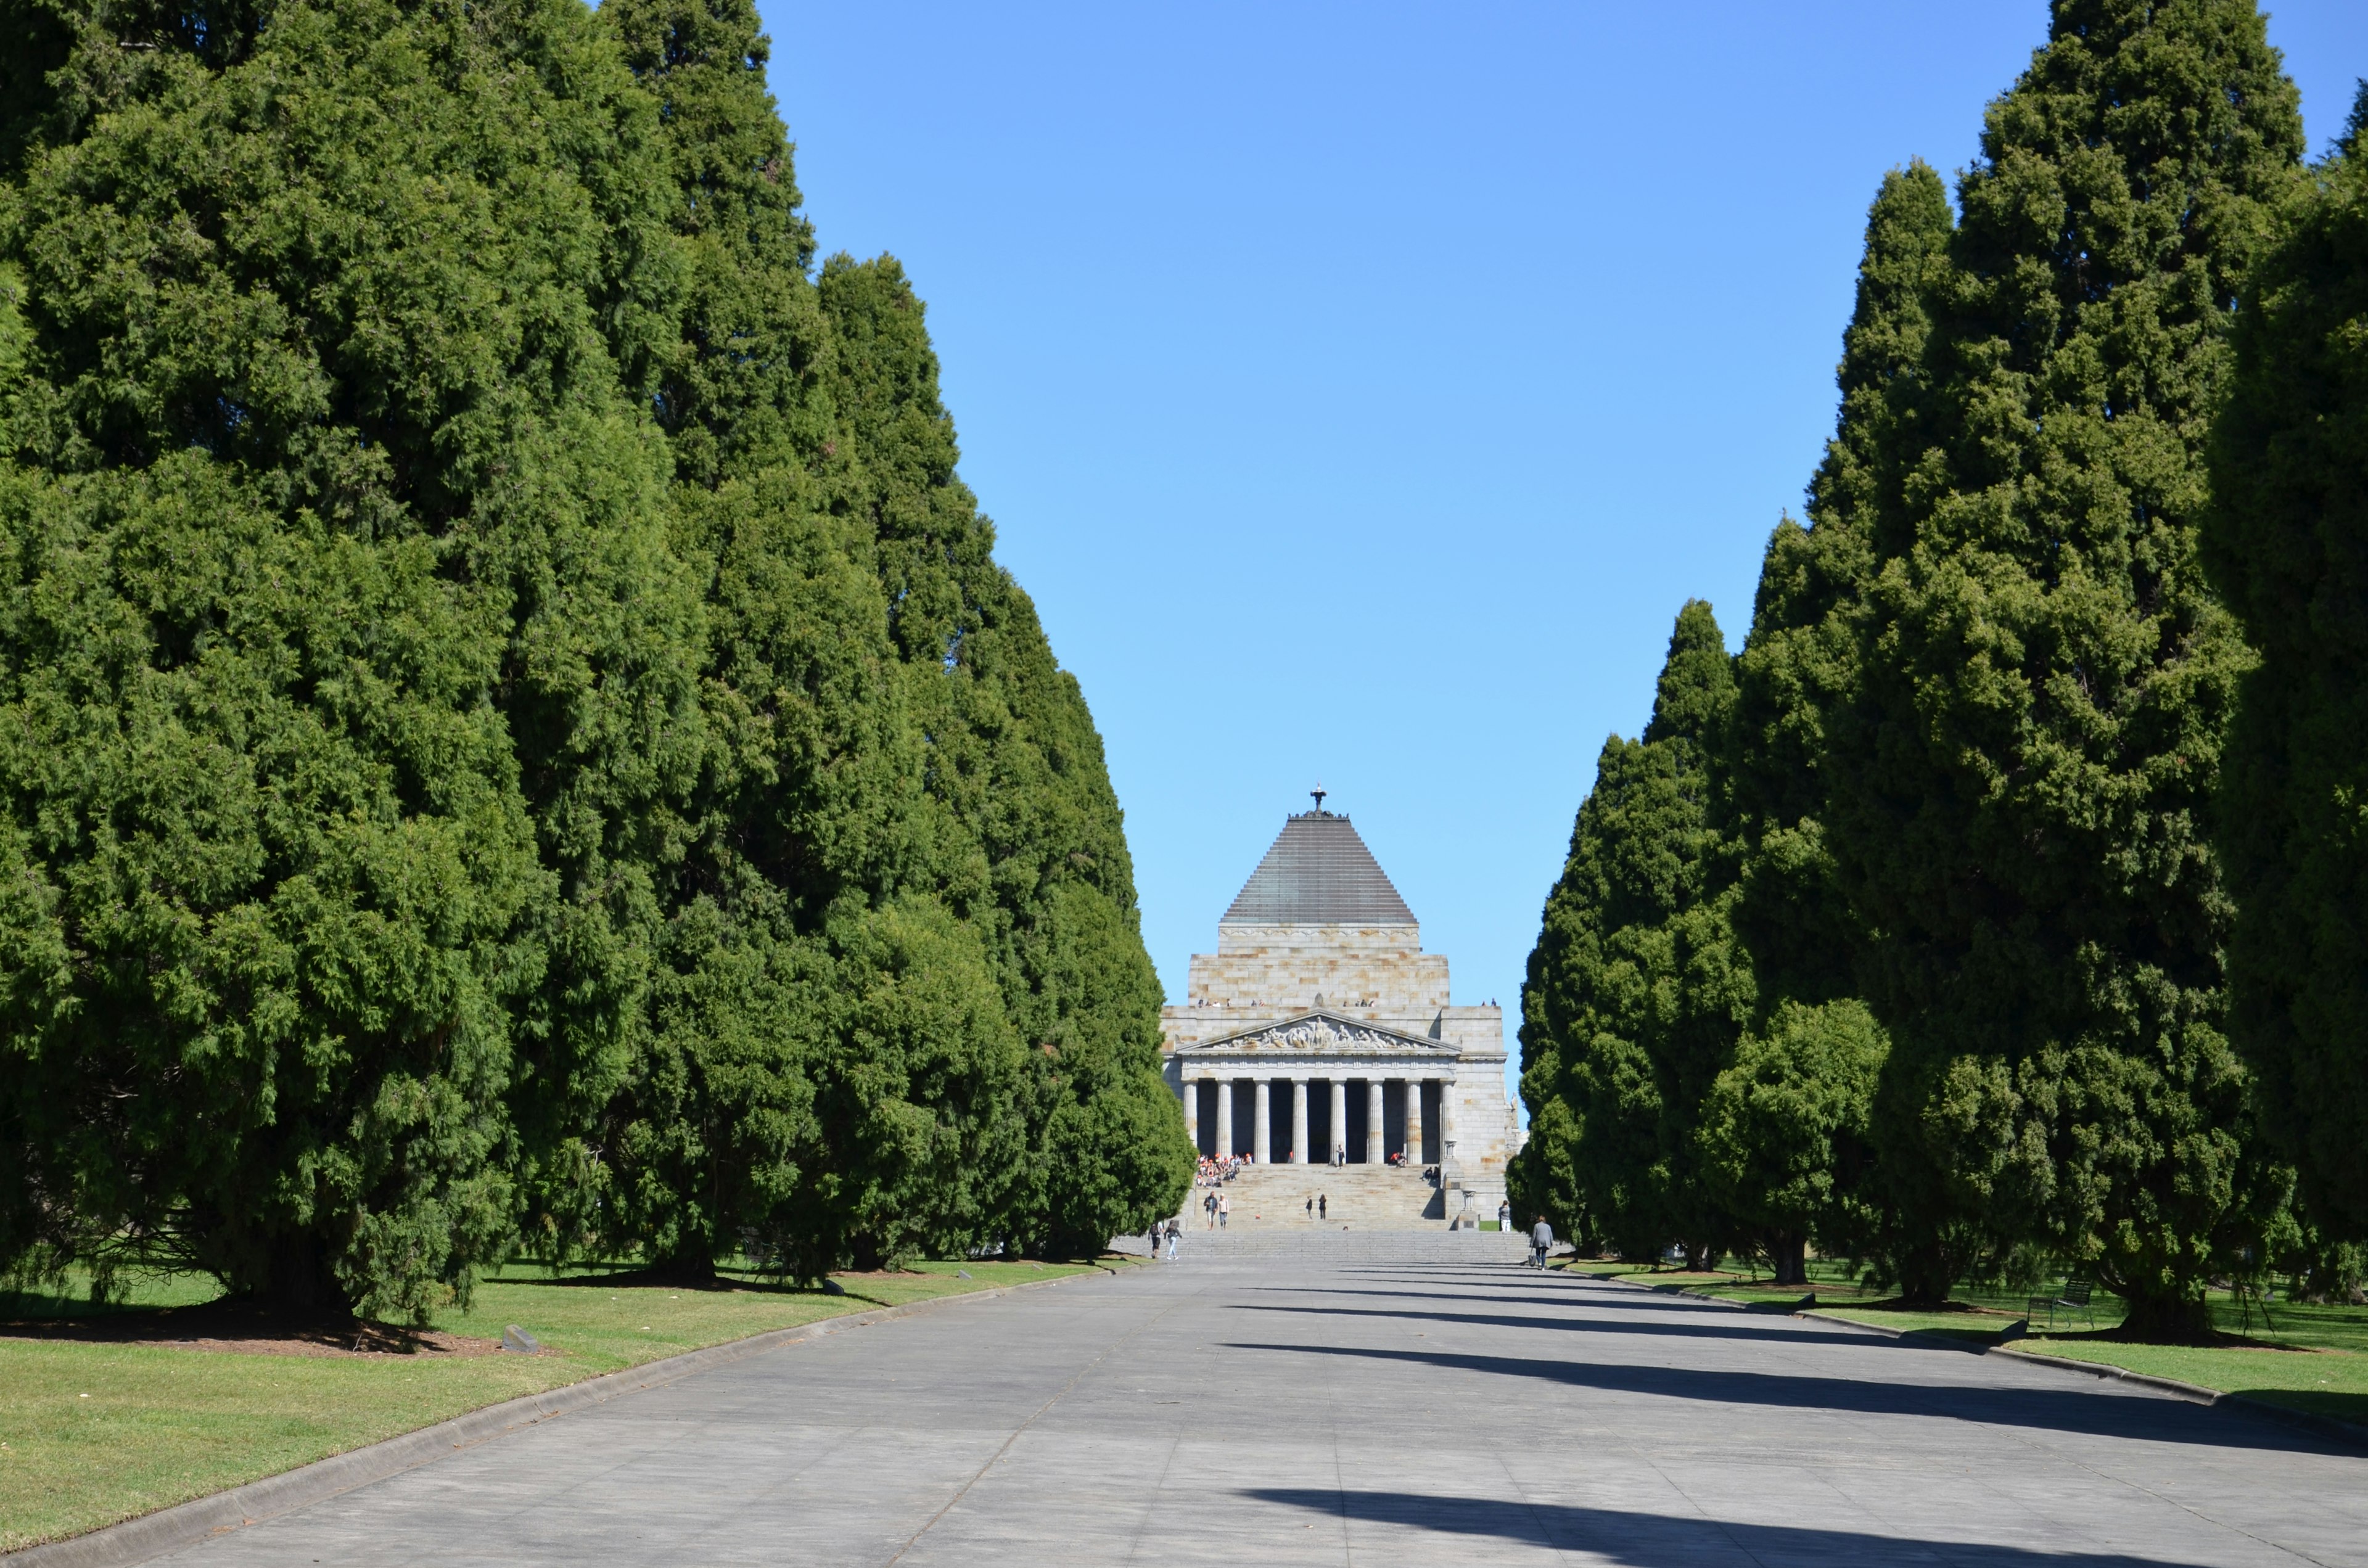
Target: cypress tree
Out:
[356,305]
[1027,843]
[1790,1132]
[868,654]
[2017,785]
[2283,542]
[1783,1130]
[1637,989]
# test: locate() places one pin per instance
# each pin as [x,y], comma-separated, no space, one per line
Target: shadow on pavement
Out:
[2138,1417]
[1732,1325]
[1656,1540]
[1612,1301]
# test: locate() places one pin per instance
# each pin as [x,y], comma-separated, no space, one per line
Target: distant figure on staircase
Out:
[1540,1242]
[1319,1206]
[1224,1208]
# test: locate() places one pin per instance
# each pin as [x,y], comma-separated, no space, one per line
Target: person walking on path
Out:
[1505,1215]
[1540,1242]
[1175,1234]
[1208,1207]
[1223,1209]
[1319,1206]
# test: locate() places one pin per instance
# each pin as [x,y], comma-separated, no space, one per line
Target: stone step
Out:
[1359,1197]
[1435,1245]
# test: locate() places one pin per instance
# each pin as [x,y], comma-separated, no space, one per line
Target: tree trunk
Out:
[301,1283]
[689,1268]
[1699,1255]
[1791,1256]
[1925,1277]
[2167,1320]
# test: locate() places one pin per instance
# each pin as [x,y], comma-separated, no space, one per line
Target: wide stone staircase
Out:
[1356,1197]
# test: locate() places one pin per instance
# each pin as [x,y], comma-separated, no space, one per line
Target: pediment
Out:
[1319,1034]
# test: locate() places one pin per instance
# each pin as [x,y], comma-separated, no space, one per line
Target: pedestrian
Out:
[1541,1241]
[1505,1215]
[1154,1238]
[1311,1208]
[1209,1205]
[1224,1207]
[1319,1206]
[1175,1234]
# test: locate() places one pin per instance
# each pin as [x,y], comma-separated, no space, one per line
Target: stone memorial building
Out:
[1319,1024]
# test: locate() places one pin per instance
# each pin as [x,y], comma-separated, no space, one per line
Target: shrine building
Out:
[1320,1025]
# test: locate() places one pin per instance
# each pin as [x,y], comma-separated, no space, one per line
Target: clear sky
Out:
[1360,388]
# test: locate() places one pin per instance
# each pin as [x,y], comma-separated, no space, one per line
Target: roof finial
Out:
[1319,792]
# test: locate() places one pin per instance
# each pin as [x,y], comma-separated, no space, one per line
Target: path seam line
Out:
[996,1458]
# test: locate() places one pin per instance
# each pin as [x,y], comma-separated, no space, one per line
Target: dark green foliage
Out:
[1788,1136]
[2017,788]
[1027,841]
[510,717]
[267,863]
[2286,542]
[1784,1130]
[386,276]
[1800,662]
[1637,990]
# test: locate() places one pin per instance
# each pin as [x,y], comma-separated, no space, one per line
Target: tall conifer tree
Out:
[1790,1134]
[1028,843]
[2017,788]
[2287,544]
[359,305]
[1637,991]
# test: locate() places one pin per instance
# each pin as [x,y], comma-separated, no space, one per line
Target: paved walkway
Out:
[1330,1406]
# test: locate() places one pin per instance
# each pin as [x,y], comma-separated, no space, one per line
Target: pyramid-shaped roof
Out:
[1319,872]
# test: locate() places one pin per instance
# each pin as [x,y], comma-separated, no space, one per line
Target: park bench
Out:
[2072,1298]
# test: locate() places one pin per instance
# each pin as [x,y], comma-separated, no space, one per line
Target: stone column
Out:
[1299,1121]
[1193,1112]
[1373,1122]
[1339,1117]
[1262,1124]
[1224,1118]
[1414,1121]
[1447,1124]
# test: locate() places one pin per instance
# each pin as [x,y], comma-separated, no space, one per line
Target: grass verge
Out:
[2305,1357]
[93,1431]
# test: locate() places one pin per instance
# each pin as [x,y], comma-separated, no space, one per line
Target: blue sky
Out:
[1361,389]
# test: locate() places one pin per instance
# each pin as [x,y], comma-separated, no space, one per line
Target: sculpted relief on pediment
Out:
[1321,1033]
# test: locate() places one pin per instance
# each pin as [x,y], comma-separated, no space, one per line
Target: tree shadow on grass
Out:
[2087,1412]
[1730,1326]
[232,1324]
[1657,1540]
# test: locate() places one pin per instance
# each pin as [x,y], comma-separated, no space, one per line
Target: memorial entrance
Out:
[1319,1028]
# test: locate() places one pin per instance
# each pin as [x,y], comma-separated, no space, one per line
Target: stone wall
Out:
[1379,975]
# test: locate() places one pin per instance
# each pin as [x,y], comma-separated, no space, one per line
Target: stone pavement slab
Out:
[1330,1403]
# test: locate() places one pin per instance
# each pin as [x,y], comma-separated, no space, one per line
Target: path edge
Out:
[149,1536]
[2346,1432]
[2350,1433]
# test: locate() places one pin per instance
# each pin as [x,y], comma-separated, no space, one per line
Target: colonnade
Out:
[1298,1086]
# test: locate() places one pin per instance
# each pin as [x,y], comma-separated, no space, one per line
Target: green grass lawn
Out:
[2307,1358]
[91,1433]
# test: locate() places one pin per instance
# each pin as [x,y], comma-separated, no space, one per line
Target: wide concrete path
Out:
[1328,1407]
